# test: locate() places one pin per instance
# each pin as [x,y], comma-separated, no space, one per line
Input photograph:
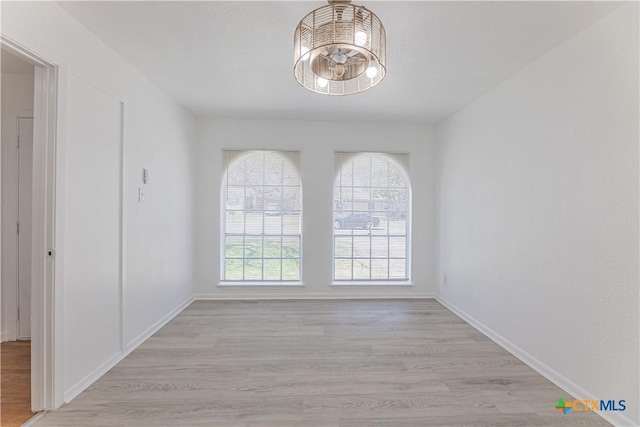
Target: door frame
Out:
[47,230]
[18,270]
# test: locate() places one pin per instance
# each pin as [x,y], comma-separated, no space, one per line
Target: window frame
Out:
[400,162]
[291,157]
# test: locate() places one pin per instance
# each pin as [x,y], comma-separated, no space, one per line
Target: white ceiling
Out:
[11,64]
[234,58]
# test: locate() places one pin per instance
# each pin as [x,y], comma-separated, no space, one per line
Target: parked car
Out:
[356,220]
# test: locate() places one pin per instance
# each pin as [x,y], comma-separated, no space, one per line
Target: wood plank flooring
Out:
[368,363]
[15,383]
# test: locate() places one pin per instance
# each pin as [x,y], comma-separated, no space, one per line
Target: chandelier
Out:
[339,49]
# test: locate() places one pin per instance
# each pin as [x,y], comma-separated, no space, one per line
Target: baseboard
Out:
[227,296]
[117,357]
[102,369]
[615,418]
[142,337]
[7,336]
[31,421]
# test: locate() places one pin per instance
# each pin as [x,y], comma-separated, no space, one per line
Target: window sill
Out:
[261,284]
[398,284]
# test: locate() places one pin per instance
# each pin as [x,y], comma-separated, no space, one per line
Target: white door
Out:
[25,171]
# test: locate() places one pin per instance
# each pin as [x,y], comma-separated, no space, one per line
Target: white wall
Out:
[17,100]
[93,156]
[157,244]
[538,212]
[317,143]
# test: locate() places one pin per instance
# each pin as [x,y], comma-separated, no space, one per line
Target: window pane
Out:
[234,247]
[397,268]
[346,175]
[396,179]
[273,170]
[253,223]
[254,169]
[291,200]
[361,269]
[234,222]
[291,224]
[271,269]
[379,269]
[273,224]
[235,198]
[361,171]
[397,226]
[362,198]
[253,247]
[343,247]
[397,247]
[272,204]
[361,247]
[379,247]
[290,174]
[290,269]
[290,247]
[235,174]
[233,269]
[272,246]
[342,269]
[379,172]
[252,269]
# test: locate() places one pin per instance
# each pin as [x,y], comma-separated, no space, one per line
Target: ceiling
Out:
[235,58]
[11,64]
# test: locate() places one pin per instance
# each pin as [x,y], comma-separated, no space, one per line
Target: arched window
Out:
[261,218]
[371,226]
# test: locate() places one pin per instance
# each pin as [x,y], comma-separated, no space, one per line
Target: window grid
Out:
[251,241]
[346,188]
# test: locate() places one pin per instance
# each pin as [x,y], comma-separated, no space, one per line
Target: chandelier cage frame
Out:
[340,49]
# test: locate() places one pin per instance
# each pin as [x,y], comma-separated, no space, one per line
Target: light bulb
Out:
[360,38]
[339,70]
[372,72]
[322,82]
[304,53]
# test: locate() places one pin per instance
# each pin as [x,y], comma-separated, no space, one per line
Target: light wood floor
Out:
[15,383]
[319,364]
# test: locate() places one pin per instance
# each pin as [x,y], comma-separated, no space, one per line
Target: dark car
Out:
[356,220]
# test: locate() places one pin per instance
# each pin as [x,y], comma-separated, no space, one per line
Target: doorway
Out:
[45,320]
[16,185]
[16,195]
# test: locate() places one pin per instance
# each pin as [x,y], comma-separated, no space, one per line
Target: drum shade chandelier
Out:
[340,49]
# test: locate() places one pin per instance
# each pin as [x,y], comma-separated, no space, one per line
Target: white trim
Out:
[36,417]
[307,296]
[146,334]
[122,241]
[118,356]
[615,418]
[34,214]
[94,375]
[382,283]
[98,84]
[56,266]
[265,284]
